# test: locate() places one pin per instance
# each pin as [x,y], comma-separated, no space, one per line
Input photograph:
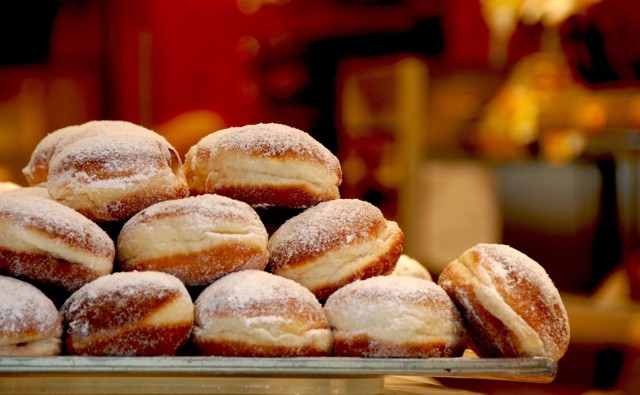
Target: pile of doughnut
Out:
[119,247]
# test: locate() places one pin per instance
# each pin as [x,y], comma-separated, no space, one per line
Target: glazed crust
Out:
[510,305]
[264,165]
[197,239]
[335,243]
[395,316]
[136,313]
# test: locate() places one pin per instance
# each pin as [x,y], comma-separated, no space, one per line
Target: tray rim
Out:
[535,369]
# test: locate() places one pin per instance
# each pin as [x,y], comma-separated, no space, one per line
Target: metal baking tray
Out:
[218,375]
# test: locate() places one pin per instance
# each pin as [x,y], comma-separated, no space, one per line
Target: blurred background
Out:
[512,121]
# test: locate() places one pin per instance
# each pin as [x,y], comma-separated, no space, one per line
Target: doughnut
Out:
[107,170]
[254,313]
[36,190]
[264,164]
[8,186]
[395,317]
[128,314]
[197,239]
[30,324]
[335,243]
[408,266]
[510,305]
[45,242]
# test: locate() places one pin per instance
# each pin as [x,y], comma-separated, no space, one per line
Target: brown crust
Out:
[294,196]
[365,346]
[205,266]
[242,349]
[45,269]
[138,341]
[523,294]
[491,337]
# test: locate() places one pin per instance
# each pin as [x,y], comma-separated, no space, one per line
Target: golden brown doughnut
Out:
[30,324]
[107,170]
[128,314]
[197,239]
[264,164]
[46,242]
[395,317]
[254,313]
[510,305]
[335,243]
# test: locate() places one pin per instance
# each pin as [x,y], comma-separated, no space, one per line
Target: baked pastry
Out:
[408,266]
[128,314]
[197,239]
[510,305]
[333,244]
[264,164]
[46,242]
[254,313]
[107,170]
[395,317]
[8,186]
[30,324]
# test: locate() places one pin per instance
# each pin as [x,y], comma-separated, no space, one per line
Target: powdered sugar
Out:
[24,307]
[242,291]
[275,140]
[328,225]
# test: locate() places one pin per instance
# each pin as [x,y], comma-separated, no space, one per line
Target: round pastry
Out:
[395,317]
[264,164]
[333,244]
[128,314]
[197,239]
[107,170]
[30,324]
[254,313]
[8,186]
[46,242]
[408,266]
[36,190]
[510,305]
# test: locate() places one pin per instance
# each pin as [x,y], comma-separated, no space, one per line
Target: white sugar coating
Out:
[244,290]
[24,307]
[8,186]
[329,224]
[126,284]
[53,218]
[506,264]
[367,297]
[59,139]
[116,163]
[271,140]
[198,211]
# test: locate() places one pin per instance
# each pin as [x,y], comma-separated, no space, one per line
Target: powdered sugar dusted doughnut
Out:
[49,243]
[257,314]
[107,170]
[197,239]
[128,314]
[408,266]
[30,324]
[511,306]
[264,164]
[395,317]
[335,243]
